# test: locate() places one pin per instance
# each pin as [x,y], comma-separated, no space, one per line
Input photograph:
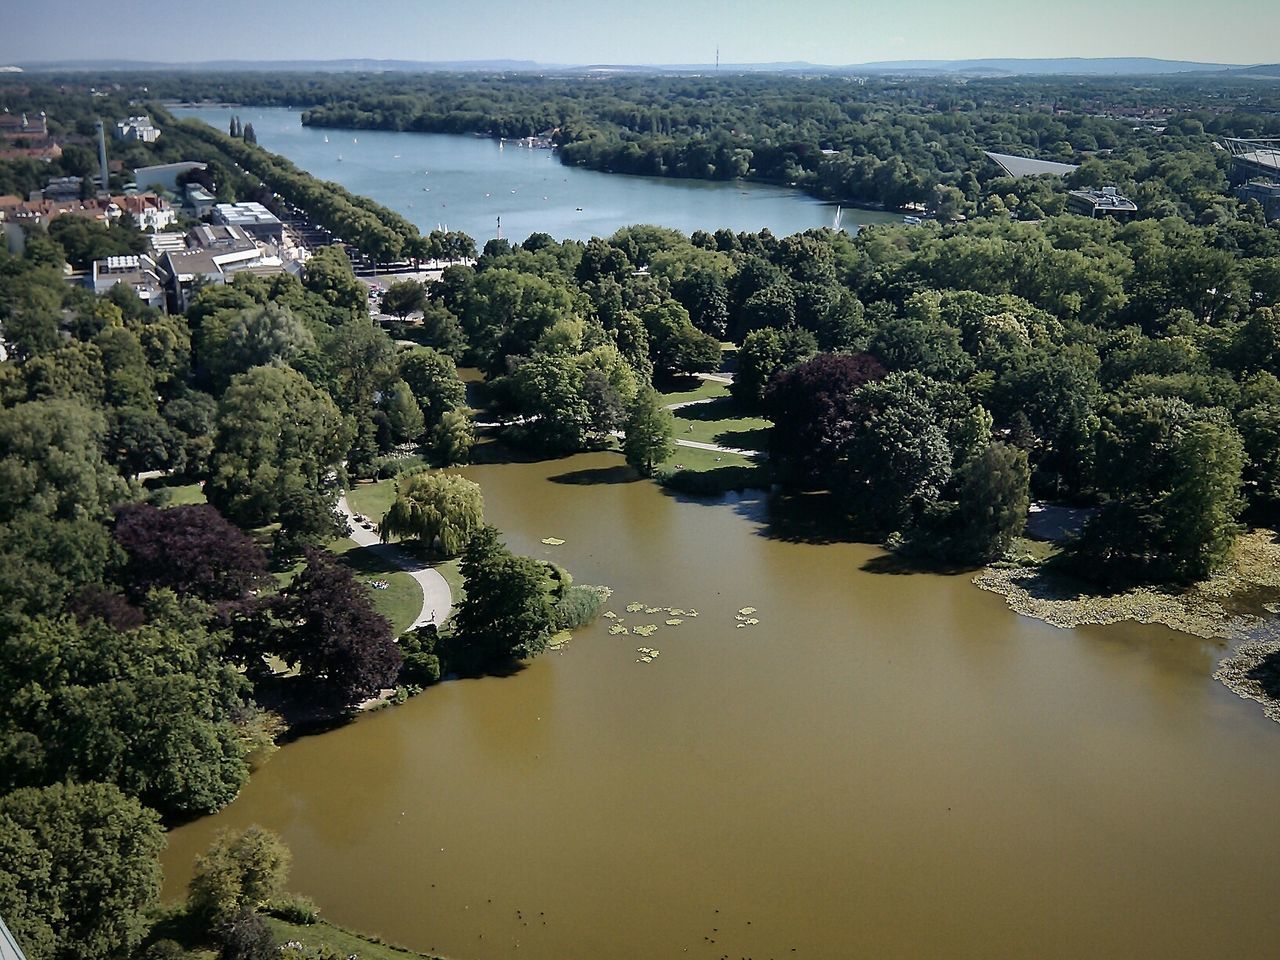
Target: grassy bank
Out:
[346,942]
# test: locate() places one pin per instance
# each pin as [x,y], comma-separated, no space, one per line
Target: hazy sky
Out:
[640,31]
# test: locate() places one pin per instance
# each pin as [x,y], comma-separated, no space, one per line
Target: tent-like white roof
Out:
[1027,167]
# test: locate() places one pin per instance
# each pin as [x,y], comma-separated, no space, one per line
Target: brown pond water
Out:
[887,766]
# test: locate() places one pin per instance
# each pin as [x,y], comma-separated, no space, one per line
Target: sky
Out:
[639,31]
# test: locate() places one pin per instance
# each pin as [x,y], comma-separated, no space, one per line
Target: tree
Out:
[329,274]
[507,613]
[249,135]
[548,391]
[811,405]
[647,438]
[763,353]
[331,631]
[44,561]
[433,378]
[82,870]
[192,550]
[234,343]
[245,936]
[442,510]
[992,492]
[51,462]
[453,438]
[404,415]
[675,344]
[240,870]
[403,298]
[1172,474]
[276,434]
[150,709]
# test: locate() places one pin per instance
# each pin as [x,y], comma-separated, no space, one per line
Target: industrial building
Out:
[253,218]
[1106,202]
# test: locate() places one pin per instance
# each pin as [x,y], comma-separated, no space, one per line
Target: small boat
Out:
[339,158]
[326,138]
[911,221]
[354,140]
[579,209]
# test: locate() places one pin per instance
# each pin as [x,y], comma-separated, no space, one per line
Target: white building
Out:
[138,129]
[138,272]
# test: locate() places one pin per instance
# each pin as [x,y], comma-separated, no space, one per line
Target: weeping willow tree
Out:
[441,510]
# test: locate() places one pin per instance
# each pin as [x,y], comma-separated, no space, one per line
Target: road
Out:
[437,599]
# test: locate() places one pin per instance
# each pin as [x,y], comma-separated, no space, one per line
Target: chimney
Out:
[102,158]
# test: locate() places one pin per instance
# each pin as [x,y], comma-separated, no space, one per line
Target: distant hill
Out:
[1066,66]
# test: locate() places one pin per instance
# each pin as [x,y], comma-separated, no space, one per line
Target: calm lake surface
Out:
[886,766]
[466,183]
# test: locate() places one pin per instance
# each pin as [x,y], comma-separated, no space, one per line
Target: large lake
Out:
[885,767]
[466,183]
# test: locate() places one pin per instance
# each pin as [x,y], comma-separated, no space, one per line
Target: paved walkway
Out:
[437,599]
[713,447]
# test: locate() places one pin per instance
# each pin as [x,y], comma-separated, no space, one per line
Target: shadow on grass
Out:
[756,439]
[619,474]
[718,408]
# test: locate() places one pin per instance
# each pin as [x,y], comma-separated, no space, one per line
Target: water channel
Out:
[886,766]
[466,183]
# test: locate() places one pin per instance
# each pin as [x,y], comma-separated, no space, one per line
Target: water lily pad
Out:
[552,541]
[652,610]
[618,630]
[634,607]
[741,625]
[747,611]
[646,631]
[559,640]
[609,615]
[752,622]
[676,612]
[674,622]
[693,613]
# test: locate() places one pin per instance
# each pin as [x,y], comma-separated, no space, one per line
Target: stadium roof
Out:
[9,949]
[1027,167]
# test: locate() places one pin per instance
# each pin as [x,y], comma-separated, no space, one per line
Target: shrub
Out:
[293,908]
[578,606]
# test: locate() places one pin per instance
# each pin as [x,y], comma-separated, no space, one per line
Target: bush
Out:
[294,909]
[421,666]
[393,466]
[578,606]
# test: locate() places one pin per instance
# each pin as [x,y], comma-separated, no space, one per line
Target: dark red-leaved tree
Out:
[330,629]
[192,550]
[812,406]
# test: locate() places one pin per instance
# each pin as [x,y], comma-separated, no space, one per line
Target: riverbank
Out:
[1237,607]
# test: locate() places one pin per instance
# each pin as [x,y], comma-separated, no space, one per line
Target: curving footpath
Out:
[437,599]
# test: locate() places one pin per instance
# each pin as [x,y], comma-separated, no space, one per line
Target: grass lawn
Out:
[721,422]
[344,941]
[401,602]
[179,495]
[700,461]
[372,499]
[694,389]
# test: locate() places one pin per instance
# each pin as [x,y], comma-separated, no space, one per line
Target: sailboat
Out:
[326,138]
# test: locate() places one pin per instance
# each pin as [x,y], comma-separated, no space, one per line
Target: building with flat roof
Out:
[213,254]
[253,218]
[1266,193]
[62,188]
[164,175]
[139,272]
[1106,202]
[199,200]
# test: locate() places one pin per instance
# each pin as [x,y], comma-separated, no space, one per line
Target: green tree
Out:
[240,869]
[763,353]
[52,463]
[508,611]
[1172,474]
[647,438]
[82,870]
[441,510]
[453,438]
[276,433]
[433,378]
[992,490]
[403,298]
[403,412]
[234,343]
